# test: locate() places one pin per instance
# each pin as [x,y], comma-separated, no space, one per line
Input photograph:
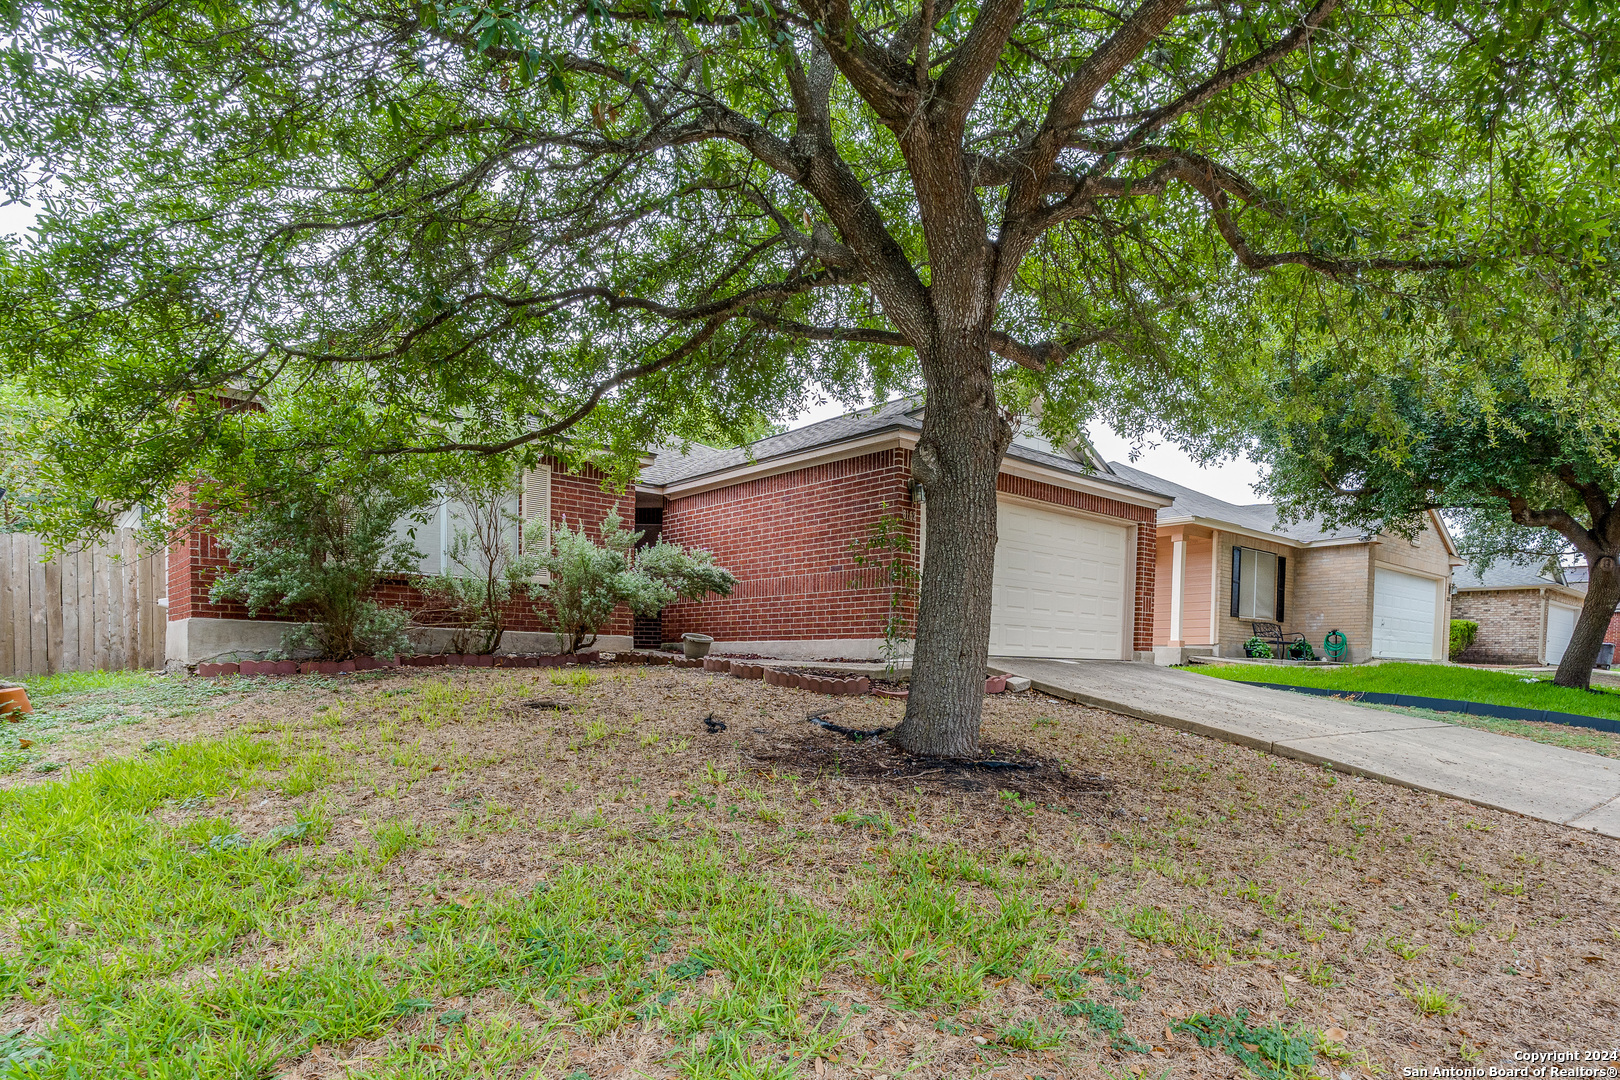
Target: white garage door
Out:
[1059,585]
[1560,628]
[1403,615]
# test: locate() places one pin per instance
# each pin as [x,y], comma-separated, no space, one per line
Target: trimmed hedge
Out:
[1463,633]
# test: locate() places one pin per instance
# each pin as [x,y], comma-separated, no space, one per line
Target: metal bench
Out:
[1272,634]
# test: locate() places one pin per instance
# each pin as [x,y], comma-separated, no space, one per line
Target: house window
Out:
[536,503]
[1258,582]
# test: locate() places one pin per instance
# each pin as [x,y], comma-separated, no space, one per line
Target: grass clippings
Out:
[414,874]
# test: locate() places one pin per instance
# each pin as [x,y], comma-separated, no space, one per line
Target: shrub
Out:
[488,571]
[1463,633]
[1256,648]
[315,548]
[590,579]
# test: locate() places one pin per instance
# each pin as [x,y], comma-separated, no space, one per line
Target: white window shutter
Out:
[537,497]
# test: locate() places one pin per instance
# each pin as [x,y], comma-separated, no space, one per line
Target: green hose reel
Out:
[1335,646]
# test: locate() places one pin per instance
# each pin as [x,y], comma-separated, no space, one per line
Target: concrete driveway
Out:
[1504,773]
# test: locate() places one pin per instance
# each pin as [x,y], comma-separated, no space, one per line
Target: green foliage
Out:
[314,548]
[590,577]
[688,573]
[888,548]
[1463,633]
[1257,648]
[488,568]
[1301,650]
[1277,1053]
[416,298]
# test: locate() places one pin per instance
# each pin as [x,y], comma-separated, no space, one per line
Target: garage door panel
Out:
[1560,628]
[1404,612]
[1058,585]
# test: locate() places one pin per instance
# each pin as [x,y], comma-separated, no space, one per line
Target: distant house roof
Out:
[1505,573]
[675,465]
[1193,505]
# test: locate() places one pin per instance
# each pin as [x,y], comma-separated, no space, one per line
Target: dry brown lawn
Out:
[958,923]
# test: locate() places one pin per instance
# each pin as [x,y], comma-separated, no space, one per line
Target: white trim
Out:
[759,470]
[1216,525]
[1092,485]
[1042,504]
[1178,582]
[902,439]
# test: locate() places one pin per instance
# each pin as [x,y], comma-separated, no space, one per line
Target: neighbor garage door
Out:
[1560,628]
[1059,585]
[1403,615]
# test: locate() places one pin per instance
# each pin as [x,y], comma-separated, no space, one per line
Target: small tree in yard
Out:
[589,579]
[1524,457]
[490,571]
[317,550]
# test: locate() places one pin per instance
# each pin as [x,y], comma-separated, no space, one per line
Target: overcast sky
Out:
[1233,481]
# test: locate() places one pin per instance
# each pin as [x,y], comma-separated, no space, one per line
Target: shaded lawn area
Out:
[413,875]
[1433,680]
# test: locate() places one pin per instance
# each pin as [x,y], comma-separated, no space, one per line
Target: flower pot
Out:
[696,645]
[14,701]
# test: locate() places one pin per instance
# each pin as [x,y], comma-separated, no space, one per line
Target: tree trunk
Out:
[1602,594]
[957,459]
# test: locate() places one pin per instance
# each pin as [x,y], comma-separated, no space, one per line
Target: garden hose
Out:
[1334,646]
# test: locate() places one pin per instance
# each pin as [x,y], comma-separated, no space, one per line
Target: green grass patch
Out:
[1433,680]
[1271,1053]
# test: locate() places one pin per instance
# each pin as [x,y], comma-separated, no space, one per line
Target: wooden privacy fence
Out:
[98,608]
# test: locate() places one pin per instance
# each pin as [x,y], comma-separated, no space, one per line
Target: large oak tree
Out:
[578,227]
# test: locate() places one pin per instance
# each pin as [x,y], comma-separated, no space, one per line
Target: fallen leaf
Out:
[1335,1034]
[1375,881]
[1594,958]
[821,1067]
[981,1040]
[437,768]
[25,743]
[1251,1047]
[431,1048]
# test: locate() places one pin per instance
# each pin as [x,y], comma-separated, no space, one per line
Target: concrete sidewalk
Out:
[1504,773]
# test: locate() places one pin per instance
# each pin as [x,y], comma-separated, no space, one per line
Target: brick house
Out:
[1074,571]
[1223,567]
[1525,614]
[200,630]
[1074,562]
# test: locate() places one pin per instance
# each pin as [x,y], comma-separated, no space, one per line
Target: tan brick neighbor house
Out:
[1526,614]
[1223,567]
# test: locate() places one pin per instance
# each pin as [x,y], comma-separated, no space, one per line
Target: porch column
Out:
[1178,574]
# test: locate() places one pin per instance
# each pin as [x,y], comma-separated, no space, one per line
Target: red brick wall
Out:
[787,538]
[195,562]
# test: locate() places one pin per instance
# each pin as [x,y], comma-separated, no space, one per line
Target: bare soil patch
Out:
[1223,880]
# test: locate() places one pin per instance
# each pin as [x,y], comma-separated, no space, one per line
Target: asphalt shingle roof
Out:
[672,465]
[1256,517]
[1506,574]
